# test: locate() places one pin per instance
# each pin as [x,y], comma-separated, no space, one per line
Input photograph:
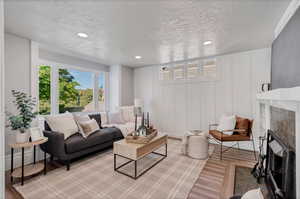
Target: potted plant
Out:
[22,121]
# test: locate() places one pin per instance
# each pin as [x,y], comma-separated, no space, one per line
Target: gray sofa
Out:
[77,146]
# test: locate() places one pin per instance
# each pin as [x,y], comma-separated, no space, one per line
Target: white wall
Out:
[121,86]
[127,86]
[177,107]
[2,135]
[17,73]
[114,87]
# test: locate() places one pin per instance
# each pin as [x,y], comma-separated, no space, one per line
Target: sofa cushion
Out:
[63,123]
[81,118]
[124,128]
[127,113]
[115,118]
[77,142]
[116,132]
[89,127]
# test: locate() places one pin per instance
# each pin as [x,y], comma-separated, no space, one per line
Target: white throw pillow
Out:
[104,119]
[127,113]
[253,194]
[115,118]
[89,127]
[63,123]
[81,118]
[227,123]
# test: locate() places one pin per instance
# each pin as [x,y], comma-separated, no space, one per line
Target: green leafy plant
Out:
[25,105]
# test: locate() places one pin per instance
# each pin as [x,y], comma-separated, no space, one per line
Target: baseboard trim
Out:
[174,138]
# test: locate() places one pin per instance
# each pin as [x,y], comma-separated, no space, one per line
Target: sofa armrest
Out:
[55,145]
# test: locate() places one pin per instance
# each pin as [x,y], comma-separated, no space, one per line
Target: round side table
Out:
[30,169]
[197,144]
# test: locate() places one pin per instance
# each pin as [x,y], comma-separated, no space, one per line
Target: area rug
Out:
[95,177]
[244,181]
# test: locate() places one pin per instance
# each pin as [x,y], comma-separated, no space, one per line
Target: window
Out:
[44,90]
[101,97]
[194,70]
[178,72]
[209,68]
[63,89]
[75,91]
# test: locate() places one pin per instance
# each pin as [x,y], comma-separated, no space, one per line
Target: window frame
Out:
[54,81]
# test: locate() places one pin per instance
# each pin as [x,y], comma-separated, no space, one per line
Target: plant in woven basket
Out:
[25,105]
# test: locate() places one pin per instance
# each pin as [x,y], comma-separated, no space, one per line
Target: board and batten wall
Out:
[182,105]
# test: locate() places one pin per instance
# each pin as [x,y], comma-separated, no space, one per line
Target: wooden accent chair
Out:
[239,135]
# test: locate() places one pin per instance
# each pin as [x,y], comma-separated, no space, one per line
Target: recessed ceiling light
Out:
[82,35]
[138,57]
[207,43]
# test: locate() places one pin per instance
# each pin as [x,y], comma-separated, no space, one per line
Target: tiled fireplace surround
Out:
[280,112]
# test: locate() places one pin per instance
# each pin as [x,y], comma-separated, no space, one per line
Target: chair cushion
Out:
[227,123]
[229,138]
[77,142]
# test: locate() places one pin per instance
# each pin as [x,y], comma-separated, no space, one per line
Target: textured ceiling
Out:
[159,31]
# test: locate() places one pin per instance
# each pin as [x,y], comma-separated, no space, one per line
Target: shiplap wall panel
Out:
[193,106]
[183,105]
[224,98]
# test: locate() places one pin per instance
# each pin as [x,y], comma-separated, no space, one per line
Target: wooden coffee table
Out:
[134,152]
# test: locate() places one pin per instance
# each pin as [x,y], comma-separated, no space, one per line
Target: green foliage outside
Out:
[71,98]
[25,105]
[44,90]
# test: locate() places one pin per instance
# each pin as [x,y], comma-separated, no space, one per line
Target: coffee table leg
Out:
[114,161]
[166,152]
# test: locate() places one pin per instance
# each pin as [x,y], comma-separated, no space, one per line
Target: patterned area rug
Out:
[95,177]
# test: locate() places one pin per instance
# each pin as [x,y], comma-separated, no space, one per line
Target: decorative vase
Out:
[22,137]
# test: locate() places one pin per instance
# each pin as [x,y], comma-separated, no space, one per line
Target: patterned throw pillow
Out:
[89,127]
[81,118]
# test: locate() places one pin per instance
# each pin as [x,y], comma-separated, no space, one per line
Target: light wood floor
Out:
[216,180]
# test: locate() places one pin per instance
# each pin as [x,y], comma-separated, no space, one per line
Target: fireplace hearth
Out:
[280,173]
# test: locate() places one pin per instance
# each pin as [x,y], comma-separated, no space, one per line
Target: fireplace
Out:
[280,168]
